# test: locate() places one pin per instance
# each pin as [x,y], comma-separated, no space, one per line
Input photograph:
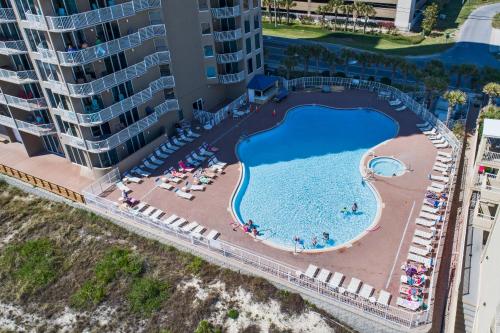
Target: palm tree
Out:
[367,12]
[377,59]
[434,85]
[316,52]
[304,52]
[334,6]
[454,97]
[491,89]
[395,63]
[346,55]
[346,9]
[268,4]
[407,68]
[322,11]
[288,4]
[357,8]
[289,62]
[331,59]
[364,59]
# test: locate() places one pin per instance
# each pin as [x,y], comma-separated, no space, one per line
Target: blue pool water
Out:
[300,175]
[387,166]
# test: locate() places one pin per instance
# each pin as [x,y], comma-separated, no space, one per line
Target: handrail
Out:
[89,18]
[25,104]
[37,129]
[232,78]
[7,15]
[229,35]
[226,12]
[109,81]
[7,121]
[224,58]
[107,49]
[13,47]
[25,76]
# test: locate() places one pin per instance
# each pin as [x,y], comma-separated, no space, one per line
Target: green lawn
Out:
[396,45]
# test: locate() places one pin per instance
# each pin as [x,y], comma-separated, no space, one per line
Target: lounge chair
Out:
[395,102]
[148,211]
[366,291]
[425,223]
[140,172]
[438,142]
[324,275]
[237,113]
[444,171]
[184,168]
[160,153]
[171,219]
[424,234]
[137,209]
[441,165]
[410,305]
[444,154]
[192,134]
[129,178]
[421,241]
[182,136]
[401,108]
[433,131]
[353,286]
[423,125]
[426,128]
[383,298]
[436,137]
[219,163]
[444,160]
[198,230]
[311,271]
[194,187]
[156,160]
[177,142]
[442,145]
[198,157]
[171,178]
[166,186]
[212,235]
[336,280]
[434,189]
[439,178]
[190,226]
[428,209]
[205,152]
[122,187]
[420,251]
[179,223]
[183,194]
[427,262]
[171,146]
[430,216]
[192,162]
[156,215]
[150,165]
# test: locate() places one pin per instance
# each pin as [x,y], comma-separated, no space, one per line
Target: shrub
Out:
[291,303]
[118,261]
[233,314]
[91,293]
[385,80]
[147,295]
[204,327]
[340,74]
[195,265]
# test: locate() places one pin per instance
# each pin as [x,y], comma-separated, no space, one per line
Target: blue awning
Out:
[262,82]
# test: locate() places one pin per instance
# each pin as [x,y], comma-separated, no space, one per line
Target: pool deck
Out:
[375,259]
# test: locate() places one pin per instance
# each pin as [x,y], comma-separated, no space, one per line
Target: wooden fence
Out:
[42,183]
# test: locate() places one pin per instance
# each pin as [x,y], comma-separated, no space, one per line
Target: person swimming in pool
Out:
[354,207]
[314,241]
[344,210]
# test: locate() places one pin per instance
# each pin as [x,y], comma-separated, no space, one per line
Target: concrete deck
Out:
[375,258]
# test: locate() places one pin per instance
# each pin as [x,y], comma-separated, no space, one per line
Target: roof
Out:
[491,128]
[262,82]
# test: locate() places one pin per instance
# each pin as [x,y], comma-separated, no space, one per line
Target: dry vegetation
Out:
[65,268]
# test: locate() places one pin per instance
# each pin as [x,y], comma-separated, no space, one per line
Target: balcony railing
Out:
[12,47]
[491,156]
[7,121]
[7,15]
[111,80]
[90,18]
[73,141]
[107,49]
[224,58]
[118,108]
[226,12]
[226,36]
[30,104]
[20,77]
[134,129]
[36,129]
[232,78]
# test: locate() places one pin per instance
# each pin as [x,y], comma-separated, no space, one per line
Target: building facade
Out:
[96,81]
[479,309]
[401,12]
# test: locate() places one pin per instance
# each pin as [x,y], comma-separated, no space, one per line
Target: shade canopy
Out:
[491,128]
[262,82]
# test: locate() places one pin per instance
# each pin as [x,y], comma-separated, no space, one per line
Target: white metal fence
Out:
[227,36]
[226,12]
[7,15]
[7,121]
[21,103]
[232,78]
[18,76]
[224,58]
[213,119]
[12,47]
[36,129]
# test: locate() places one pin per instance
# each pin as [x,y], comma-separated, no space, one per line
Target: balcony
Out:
[36,129]
[7,15]
[485,214]
[7,121]
[224,58]
[87,55]
[90,18]
[29,104]
[73,141]
[118,108]
[19,77]
[232,78]
[489,185]
[227,36]
[226,12]
[12,47]
[109,81]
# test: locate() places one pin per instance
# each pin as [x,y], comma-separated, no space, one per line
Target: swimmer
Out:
[354,207]
[314,241]
[344,210]
[326,236]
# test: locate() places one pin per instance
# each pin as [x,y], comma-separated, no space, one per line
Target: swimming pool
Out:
[299,176]
[387,166]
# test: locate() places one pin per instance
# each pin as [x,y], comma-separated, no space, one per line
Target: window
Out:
[248,43]
[256,3]
[258,61]
[208,51]
[250,65]
[247,24]
[257,41]
[211,72]
[202,5]
[76,155]
[245,4]
[256,22]
[205,28]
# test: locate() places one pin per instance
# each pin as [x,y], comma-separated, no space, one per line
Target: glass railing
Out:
[109,81]
[30,104]
[226,12]
[226,36]
[7,15]
[232,78]
[7,121]
[18,76]
[107,49]
[36,129]
[90,18]
[73,141]
[12,47]
[224,58]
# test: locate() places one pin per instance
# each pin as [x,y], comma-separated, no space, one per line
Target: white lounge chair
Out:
[198,157]
[177,142]
[421,241]
[156,215]
[183,194]
[395,102]
[439,178]
[420,251]
[148,211]
[438,142]
[424,234]
[205,152]
[160,153]
[137,209]
[336,280]
[170,178]
[434,189]
[353,286]
[444,160]
[425,223]
[442,187]
[170,146]
[140,172]
[219,163]
[444,171]
[193,187]
[166,186]
[192,134]
[213,234]
[198,230]
[383,298]
[433,131]
[427,262]
[166,150]
[442,145]
[428,209]
[441,165]
[444,154]
[150,165]
[171,219]
[182,136]
[410,305]
[130,178]
[323,275]
[122,187]
[366,291]
[156,160]
[191,161]
[190,226]
[436,137]
[177,224]
[401,108]
[311,271]
[423,125]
